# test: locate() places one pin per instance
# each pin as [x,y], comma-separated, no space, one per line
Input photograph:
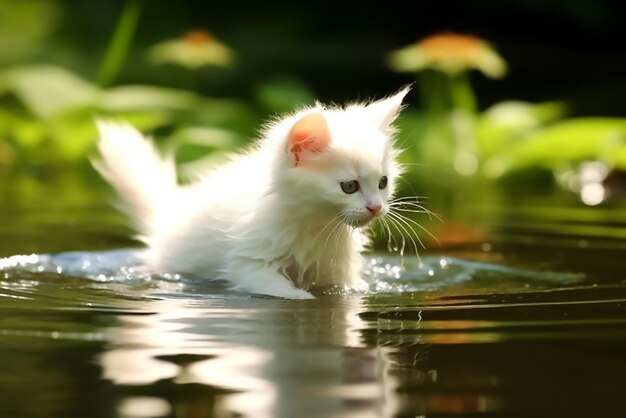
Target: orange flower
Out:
[450,53]
[197,48]
[198,38]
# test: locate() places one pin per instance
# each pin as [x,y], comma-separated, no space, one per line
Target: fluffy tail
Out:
[144,180]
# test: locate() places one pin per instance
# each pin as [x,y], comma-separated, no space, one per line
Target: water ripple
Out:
[384,275]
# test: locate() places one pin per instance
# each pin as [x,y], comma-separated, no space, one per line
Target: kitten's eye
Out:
[349,186]
[382,183]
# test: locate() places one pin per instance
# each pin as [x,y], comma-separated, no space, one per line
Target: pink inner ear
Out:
[309,134]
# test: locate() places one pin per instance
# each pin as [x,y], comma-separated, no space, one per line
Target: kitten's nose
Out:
[374,209]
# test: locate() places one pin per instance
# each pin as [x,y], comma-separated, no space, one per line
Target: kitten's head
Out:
[341,162]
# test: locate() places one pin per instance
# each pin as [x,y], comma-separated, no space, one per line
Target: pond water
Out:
[526,318]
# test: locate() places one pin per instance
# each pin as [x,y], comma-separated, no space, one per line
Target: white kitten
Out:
[279,219]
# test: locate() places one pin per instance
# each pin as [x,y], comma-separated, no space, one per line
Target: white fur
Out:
[259,221]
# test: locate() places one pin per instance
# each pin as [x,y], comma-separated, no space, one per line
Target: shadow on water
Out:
[533,327]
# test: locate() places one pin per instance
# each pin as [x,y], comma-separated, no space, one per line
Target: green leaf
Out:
[25,132]
[120,42]
[196,142]
[73,134]
[144,120]
[502,125]
[205,136]
[47,90]
[29,133]
[141,97]
[572,140]
[183,106]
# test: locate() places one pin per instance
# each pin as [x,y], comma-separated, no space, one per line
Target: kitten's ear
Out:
[385,111]
[309,134]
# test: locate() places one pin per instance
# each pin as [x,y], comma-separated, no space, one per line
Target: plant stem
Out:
[461,92]
[431,93]
[463,115]
[437,143]
[119,44]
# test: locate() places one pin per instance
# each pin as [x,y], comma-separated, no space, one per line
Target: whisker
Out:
[383,230]
[406,227]
[325,226]
[403,246]
[408,205]
[392,237]
[419,226]
[390,232]
[406,218]
[392,243]
[399,224]
[415,164]
[332,231]
[335,233]
[415,199]
[415,208]
[413,202]
[338,237]
[415,196]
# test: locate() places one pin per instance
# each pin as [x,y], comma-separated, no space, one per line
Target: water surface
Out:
[527,321]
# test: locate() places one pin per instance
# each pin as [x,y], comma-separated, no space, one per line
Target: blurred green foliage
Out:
[48,114]
[455,138]
[25,26]
[47,110]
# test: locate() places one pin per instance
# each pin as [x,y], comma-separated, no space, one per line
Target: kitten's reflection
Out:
[254,357]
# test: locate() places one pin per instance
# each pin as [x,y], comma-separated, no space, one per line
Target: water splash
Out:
[102,266]
[383,275]
[412,274]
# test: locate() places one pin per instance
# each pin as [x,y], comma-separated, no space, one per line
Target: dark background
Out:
[556,50]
